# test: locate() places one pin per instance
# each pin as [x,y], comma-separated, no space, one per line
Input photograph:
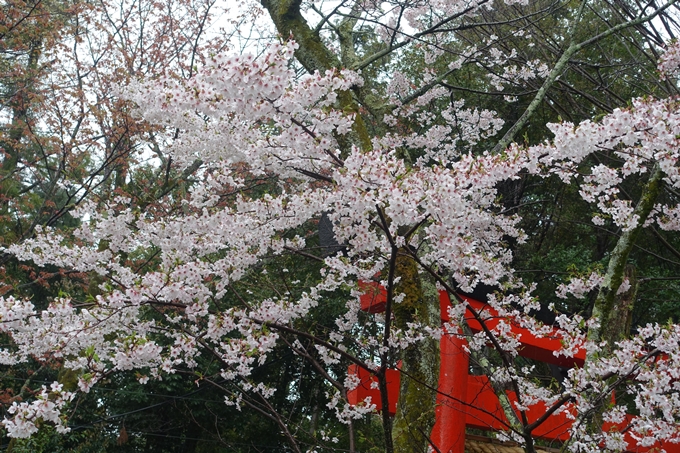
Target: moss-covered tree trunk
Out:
[613,306]
[614,303]
[313,55]
[420,361]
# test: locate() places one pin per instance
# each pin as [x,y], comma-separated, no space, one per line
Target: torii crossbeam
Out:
[468,401]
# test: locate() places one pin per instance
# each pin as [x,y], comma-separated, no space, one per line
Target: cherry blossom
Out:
[245,115]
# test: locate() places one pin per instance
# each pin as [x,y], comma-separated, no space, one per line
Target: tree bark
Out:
[416,408]
[612,308]
[614,304]
[415,415]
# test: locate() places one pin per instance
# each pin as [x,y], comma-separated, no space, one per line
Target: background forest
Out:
[180,248]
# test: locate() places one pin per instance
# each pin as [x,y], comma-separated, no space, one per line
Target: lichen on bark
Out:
[614,304]
[415,415]
[612,307]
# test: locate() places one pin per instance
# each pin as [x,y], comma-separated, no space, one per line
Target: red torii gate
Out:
[465,400]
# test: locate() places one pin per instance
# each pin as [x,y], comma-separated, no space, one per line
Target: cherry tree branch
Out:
[559,67]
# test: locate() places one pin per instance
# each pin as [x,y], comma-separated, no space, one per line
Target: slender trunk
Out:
[612,307]
[415,415]
[614,303]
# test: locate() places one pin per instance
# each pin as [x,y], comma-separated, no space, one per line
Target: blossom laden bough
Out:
[267,154]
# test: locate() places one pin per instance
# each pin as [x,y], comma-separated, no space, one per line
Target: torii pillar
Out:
[448,433]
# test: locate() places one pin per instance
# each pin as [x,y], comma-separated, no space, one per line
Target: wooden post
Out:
[448,433]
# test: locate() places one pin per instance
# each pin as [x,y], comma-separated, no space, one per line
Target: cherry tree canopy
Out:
[413,189]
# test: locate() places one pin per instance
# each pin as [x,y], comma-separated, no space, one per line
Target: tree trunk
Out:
[614,303]
[420,361]
[613,307]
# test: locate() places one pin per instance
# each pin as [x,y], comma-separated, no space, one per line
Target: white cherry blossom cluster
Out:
[669,63]
[579,286]
[513,75]
[446,135]
[647,364]
[247,109]
[47,407]
[643,136]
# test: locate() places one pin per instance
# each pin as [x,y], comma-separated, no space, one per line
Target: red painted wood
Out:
[374,297]
[368,387]
[448,433]
[632,443]
[481,410]
[541,349]
[485,412]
